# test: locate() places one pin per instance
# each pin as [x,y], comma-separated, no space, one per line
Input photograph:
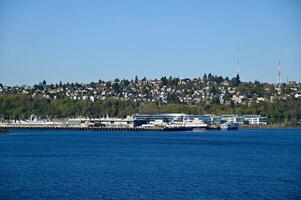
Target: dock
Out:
[109,124]
[7,128]
[23,127]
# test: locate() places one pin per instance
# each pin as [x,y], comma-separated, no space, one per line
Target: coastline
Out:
[7,129]
[246,126]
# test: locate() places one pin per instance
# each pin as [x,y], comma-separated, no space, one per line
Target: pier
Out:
[73,128]
[159,122]
[7,128]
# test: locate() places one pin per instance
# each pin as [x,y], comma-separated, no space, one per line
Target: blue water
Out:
[244,164]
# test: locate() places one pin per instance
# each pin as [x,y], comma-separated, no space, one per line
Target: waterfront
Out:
[243,164]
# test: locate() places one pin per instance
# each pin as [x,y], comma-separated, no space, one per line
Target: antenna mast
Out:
[279,68]
[238,61]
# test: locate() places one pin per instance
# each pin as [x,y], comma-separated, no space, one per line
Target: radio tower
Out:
[279,68]
[238,62]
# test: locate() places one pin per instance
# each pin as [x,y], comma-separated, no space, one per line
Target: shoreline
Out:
[269,126]
[6,130]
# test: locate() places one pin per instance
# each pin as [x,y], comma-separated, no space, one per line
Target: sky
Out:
[85,40]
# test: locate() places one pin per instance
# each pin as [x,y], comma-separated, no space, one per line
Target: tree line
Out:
[22,106]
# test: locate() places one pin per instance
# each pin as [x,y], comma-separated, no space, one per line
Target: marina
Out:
[139,122]
[5,128]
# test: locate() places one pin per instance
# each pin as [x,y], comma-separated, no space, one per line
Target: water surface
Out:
[244,164]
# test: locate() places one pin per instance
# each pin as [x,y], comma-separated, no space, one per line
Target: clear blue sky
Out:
[84,41]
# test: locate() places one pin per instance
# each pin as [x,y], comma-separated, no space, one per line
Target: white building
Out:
[232,119]
[256,119]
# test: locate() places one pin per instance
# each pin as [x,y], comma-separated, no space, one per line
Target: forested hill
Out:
[208,94]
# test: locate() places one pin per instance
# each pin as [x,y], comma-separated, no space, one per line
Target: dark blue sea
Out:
[243,164]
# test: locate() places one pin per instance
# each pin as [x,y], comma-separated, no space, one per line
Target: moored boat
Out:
[214,127]
[229,126]
[195,124]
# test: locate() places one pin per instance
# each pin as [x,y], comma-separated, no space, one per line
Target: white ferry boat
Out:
[195,124]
